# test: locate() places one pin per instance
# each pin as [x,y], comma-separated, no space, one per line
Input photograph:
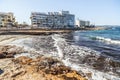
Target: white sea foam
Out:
[22,43]
[58,41]
[107,40]
[76,38]
[22,54]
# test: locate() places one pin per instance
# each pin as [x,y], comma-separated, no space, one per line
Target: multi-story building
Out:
[6,19]
[81,23]
[52,19]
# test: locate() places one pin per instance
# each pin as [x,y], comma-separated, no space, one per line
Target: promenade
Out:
[34,31]
[37,31]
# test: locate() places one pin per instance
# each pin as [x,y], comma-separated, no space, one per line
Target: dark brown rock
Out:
[2,55]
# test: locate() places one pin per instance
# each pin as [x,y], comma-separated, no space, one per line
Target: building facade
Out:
[7,19]
[82,24]
[52,19]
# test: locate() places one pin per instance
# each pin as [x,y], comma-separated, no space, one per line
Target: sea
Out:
[107,41]
[95,54]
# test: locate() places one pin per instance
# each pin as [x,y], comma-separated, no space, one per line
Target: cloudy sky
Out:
[99,12]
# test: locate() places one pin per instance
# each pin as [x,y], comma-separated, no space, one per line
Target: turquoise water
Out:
[107,42]
[113,34]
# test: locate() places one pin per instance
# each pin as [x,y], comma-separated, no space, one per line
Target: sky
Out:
[99,12]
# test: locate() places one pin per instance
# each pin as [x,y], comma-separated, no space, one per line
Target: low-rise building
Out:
[52,19]
[81,23]
[7,19]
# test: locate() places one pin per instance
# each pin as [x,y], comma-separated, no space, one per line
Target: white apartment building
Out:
[6,19]
[52,19]
[81,23]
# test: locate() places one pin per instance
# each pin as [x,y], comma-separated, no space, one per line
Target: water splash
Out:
[107,40]
[58,41]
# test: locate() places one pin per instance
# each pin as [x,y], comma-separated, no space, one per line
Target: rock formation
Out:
[40,68]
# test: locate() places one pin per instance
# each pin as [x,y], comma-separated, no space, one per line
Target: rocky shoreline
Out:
[39,68]
[47,57]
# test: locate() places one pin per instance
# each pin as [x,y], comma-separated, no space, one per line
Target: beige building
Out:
[81,23]
[52,19]
[7,19]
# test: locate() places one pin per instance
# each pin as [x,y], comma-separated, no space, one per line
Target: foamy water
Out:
[72,56]
[58,41]
[107,40]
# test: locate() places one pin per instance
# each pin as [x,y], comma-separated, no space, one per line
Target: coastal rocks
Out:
[8,51]
[102,63]
[40,68]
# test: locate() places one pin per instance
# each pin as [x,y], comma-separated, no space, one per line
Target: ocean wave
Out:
[107,40]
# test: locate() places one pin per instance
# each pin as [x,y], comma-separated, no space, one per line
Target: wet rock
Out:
[2,55]
[102,63]
[8,51]
[6,55]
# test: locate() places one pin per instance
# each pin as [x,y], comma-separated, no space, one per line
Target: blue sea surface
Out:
[113,33]
[107,42]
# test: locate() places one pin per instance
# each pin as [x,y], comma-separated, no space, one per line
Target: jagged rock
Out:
[1,71]
[2,55]
[7,55]
[41,68]
[8,51]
